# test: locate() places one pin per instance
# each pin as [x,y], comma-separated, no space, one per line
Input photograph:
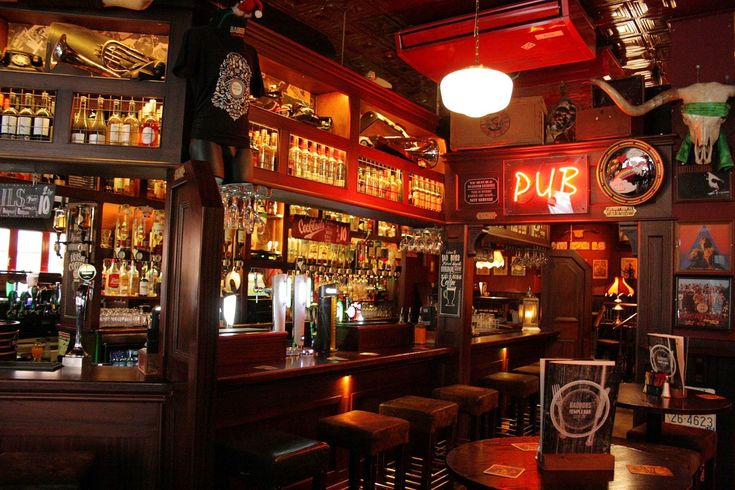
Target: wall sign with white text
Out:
[26,200]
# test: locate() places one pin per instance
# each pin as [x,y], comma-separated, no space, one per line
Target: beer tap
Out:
[75,357]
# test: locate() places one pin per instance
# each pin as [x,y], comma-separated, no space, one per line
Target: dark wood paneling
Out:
[190,317]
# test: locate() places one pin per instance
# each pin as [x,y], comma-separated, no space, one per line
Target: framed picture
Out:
[629,267]
[599,269]
[702,183]
[502,271]
[516,267]
[704,247]
[630,172]
[703,302]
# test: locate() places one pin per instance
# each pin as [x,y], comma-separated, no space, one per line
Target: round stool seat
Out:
[274,459]
[472,400]
[424,414]
[532,369]
[366,432]
[512,384]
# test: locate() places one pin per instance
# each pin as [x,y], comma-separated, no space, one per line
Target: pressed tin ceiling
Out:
[361,34]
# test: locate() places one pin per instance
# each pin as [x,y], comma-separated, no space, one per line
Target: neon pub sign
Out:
[546,185]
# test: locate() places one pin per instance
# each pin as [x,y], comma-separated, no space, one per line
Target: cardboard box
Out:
[605,122]
[521,123]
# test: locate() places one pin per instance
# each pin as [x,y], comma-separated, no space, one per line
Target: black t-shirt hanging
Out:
[223,71]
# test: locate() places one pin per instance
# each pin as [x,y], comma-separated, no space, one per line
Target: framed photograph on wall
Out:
[702,183]
[599,269]
[516,267]
[703,302]
[704,247]
[502,271]
[630,172]
[629,267]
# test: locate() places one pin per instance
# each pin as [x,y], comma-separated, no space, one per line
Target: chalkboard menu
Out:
[451,270]
[26,200]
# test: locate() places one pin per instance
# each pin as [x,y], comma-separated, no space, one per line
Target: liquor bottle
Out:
[113,279]
[293,150]
[9,121]
[79,125]
[42,120]
[104,273]
[149,127]
[130,127]
[143,284]
[134,276]
[272,155]
[114,125]
[124,286]
[323,165]
[255,148]
[314,159]
[302,169]
[340,171]
[265,155]
[155,240]
[98,127]
[25,118]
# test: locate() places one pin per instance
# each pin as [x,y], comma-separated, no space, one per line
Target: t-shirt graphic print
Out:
[233,86]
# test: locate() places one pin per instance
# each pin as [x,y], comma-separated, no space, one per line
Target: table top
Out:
[630,395]
[468,461]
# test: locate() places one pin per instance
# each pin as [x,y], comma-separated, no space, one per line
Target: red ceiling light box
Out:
[518,37]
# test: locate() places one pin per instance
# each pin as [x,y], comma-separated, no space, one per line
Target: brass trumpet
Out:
[93,52]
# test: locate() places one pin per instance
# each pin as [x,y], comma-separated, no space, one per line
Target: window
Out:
[30,246]
[4,248]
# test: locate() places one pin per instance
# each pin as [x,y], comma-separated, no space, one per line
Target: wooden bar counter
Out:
[506,351]
[114,412]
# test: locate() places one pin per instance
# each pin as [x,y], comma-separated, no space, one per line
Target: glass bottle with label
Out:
[143,284]
[98,128]
[124,279]
[79,125]
[9,118]
[149,128]
[25,118]
[134,276]
[130,127]
[114,125]
[113,279]
[42,120]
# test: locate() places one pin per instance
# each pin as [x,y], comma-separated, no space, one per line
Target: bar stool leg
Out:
[532,414]
[354,470]
[401,466]
[369,468]
[519,406]
[427,463]
[319,481]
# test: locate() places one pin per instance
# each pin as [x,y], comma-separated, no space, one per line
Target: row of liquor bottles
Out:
[360,254]
[155,188]
[130,278]
[263,147]
[103,123]
[27,115]
[317,162]
[425,193]
[137,230]
[378,180]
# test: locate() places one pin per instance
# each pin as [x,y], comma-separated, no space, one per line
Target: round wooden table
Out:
[467,462]
[630,395]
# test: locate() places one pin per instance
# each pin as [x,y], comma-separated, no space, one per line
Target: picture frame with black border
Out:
[702,183]
[703,302]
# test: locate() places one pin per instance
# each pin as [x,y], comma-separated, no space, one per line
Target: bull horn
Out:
[637,110]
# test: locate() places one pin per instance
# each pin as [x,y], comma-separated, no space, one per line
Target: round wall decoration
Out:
[630,172]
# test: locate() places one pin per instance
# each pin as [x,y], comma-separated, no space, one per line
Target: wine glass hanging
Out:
[242,203]
[423,240]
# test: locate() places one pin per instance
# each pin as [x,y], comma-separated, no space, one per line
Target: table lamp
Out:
[617,289]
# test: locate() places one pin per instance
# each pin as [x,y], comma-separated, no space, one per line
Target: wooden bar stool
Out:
[46,470]
[531,369]
[430,420]
[701,441]
[272,459]
[478,404]
[520,389]
[367,435]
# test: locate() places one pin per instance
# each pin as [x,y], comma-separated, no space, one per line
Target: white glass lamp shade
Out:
[476,91]
[229,307]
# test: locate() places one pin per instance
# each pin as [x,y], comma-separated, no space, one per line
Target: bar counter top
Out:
[89,379]
[511,337]
[340,361]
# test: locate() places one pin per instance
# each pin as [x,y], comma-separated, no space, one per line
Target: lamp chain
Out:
[477,32]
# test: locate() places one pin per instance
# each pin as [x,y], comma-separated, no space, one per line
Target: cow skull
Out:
[705,109]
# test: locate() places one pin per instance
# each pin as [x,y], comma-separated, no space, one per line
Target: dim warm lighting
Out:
[229,305]
[530,316]
[477,90]
[619,288]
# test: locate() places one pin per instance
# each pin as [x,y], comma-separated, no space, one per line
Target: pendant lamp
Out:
[477,90]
